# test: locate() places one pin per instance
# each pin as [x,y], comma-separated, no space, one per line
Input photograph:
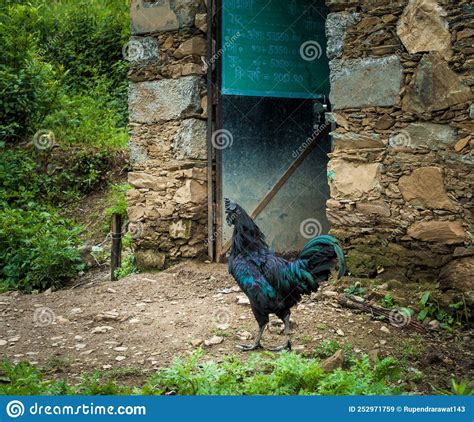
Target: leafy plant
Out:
[388,301]
[128,267]
[461,311]
[118,204]
[38,250]
[429,307]
[355,290]
[461,389]
[326,348]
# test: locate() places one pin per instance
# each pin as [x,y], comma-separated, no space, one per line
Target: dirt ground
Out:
[139,324]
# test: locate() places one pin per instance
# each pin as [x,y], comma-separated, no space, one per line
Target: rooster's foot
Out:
[249,347]
[286,346]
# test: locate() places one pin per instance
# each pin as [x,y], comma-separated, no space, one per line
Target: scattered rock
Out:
[196,342]
[329,293]
[245,335]
[384,329]
[223,326]
[225,291]
[434,325]
[333,362]
[149,259]
[120,358]
[61,320]
[373,354]
[101,329]
[107,316]
[121,349]
[80,346]
[213,341]
[243,300]
[3,342]
[339,332]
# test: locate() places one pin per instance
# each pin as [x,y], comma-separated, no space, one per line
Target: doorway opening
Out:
[269,140]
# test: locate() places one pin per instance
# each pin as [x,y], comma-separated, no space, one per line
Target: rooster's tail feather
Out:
[319,252]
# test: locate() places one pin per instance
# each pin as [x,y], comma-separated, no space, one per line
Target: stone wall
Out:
[401,170]
[167,107]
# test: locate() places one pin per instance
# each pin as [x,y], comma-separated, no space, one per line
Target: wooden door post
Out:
[116,250]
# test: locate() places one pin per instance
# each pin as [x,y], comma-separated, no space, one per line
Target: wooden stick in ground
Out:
[116,250]
[311,144]
[400,321]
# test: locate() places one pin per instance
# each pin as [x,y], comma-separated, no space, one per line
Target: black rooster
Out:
[273,284]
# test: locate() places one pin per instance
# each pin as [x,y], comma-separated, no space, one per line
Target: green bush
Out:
[18,185]
[38,250]
[62,69]
[29,86]
[28,179]
[90,118]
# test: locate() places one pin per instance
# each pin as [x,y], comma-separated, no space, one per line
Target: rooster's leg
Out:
[256,345]
[287,345]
